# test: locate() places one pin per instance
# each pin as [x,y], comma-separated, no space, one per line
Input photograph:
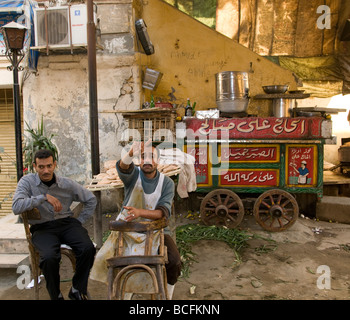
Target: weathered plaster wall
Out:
[60,92]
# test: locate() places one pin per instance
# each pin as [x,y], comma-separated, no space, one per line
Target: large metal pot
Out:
[282,107]
[232,89]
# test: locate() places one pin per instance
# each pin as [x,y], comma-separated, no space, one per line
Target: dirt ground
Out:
[308,261]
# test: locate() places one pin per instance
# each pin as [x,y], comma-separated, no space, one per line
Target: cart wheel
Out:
[276,210]
[222,208]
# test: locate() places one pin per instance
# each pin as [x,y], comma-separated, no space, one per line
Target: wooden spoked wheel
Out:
[276,210]
[222,208]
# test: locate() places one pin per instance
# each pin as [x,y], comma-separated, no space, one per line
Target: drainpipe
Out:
[95,150]
[18,121]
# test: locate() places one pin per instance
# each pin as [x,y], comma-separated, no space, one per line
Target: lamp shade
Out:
[14,34]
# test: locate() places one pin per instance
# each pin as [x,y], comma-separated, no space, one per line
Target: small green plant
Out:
[37,140]
[187,234]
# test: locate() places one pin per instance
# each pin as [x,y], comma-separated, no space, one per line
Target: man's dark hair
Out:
[43,154]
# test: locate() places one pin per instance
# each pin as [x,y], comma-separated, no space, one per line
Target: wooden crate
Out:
[150,122]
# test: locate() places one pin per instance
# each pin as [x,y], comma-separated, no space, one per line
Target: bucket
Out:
[282,107]
[232,88]
[151,79]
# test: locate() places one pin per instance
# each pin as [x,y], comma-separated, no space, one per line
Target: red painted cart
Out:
[261,160]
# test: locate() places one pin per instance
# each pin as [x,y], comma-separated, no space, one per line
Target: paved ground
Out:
[309,261]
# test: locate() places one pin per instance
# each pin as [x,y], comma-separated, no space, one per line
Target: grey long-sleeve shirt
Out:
[31,193]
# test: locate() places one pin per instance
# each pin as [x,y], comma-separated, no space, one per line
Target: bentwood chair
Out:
[34,214]
[122,268]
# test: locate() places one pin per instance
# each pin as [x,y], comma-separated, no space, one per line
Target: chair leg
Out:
[118,287]
[165,280]
[110,282]
[36,287]
[35,273]
[159,275]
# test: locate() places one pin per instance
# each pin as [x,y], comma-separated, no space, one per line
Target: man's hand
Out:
[57,206]
[137,147]
[135,151]
[134,213]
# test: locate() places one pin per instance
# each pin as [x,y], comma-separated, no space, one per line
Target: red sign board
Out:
[255,128]
[249,153]
[249,177]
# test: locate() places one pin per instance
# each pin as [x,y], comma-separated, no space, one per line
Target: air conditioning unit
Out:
[60,27]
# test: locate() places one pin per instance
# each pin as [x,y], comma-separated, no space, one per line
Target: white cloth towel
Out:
[187,177]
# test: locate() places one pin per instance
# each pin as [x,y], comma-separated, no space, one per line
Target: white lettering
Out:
[196,309]
[24,279]
[146,310]
[324,21]
[324,280]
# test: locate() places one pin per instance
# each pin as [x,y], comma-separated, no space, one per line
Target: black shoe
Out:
[77,295]
[60,297]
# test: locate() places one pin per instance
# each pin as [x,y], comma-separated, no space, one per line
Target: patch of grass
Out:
[187,234]
[345,247]
[265,248]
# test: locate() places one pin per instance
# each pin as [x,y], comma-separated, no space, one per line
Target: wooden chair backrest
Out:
[33,214]
[147,227]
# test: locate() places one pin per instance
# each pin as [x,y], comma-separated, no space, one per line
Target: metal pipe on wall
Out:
[95,149]
[95,152]
[18,121]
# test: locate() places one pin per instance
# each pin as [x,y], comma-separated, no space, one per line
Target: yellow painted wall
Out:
[189,54]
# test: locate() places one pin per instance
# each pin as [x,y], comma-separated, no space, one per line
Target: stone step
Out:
[12,239]
[13,246]
[12,236]
[11,260]
[336,209]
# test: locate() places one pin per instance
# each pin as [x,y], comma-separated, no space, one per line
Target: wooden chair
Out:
[34,214]
[122,268]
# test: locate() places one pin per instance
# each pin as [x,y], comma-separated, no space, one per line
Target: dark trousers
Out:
[47,238]
[173,267]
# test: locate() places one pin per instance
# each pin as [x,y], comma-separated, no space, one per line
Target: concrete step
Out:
[13,243]
[13,246]
[336,209]
[12,260]
[12,236]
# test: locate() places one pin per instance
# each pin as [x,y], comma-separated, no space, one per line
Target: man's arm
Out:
[88,200]
[134,151]
[126,168]
[23,199]
[126,161]
[135,213]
